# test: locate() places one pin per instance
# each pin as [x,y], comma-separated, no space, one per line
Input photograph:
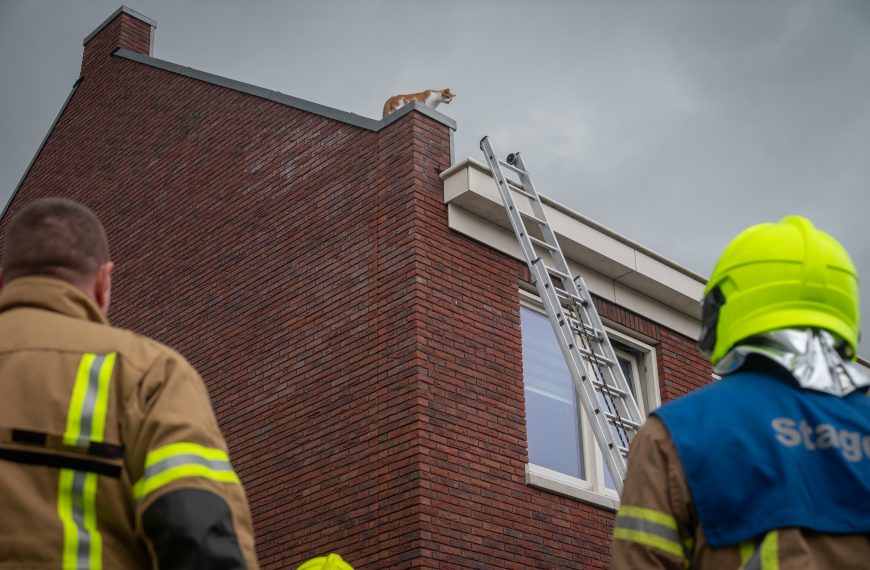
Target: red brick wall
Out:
[681,367]
[123,31]
[364,361]
[479,512]
[249,235]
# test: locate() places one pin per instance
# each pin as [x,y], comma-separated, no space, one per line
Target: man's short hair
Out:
[55,237]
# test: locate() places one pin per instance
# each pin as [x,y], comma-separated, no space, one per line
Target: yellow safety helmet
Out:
[331,562]
[776,276]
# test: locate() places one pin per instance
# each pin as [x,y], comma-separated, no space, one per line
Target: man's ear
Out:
[103,286]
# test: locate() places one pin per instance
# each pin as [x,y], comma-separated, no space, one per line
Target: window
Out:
[563,454]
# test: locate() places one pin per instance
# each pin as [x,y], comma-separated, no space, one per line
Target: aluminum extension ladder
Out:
[600,386]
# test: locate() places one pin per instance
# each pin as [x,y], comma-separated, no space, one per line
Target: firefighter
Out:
[768,468]
[110,455]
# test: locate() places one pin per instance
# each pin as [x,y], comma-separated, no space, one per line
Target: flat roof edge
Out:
[471,163]
[289,100]
[124,10]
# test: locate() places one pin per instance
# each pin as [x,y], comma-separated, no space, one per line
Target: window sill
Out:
[553,482]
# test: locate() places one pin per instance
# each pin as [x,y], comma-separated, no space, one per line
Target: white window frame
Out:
[593,489]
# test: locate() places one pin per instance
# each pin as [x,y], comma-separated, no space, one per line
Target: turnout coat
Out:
[110,454]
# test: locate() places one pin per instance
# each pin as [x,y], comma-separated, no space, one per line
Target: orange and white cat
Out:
[430,98]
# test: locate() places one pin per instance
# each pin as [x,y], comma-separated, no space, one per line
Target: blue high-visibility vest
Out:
[760,453]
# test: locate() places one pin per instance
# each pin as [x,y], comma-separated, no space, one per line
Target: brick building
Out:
[357,305]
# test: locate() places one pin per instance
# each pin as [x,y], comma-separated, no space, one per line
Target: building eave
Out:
[613,266]
[471,163]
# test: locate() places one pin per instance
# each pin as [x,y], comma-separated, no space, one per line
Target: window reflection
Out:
[552,418]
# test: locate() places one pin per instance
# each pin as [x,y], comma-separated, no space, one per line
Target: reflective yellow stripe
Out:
[650,528]
[77,490]
[762,554]
[648,515]
[180,460]
[88,407]
[76,507]
[770,551]
[74,416]
[64,511]
[90,511]
[98,431]
[688,550]
[174,449]
[747,548]
[648,539]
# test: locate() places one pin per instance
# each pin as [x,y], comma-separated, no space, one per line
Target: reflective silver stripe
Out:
[766,555]
[649,527]
[754,563]
[85,424]
[78,515]
[82,542]
[90,402]
[186,459]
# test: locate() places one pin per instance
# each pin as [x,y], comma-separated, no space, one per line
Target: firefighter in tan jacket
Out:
[769,467]
[110,455]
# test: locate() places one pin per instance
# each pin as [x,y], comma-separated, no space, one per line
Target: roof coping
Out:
[289,100]
[125,10]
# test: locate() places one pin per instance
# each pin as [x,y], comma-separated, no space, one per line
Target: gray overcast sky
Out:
[676,123]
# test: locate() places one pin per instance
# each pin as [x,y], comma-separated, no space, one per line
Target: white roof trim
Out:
[613,266]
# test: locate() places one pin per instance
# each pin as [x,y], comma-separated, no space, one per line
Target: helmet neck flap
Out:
[813,356]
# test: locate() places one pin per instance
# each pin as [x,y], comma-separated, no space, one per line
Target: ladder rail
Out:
[584,385]
[600,387]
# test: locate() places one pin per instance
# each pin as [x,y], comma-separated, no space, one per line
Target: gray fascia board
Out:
[39,149]
[290,101]
[125,10]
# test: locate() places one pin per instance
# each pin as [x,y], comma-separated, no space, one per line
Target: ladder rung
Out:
[556,272]
[590,355]
[520,189]
[581,328]
[515,186]
[523,192]
[620,448]
[541,243]
[624,438]
[512,167]
[607,388]
[622,423]
[566,296]
[532,217]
